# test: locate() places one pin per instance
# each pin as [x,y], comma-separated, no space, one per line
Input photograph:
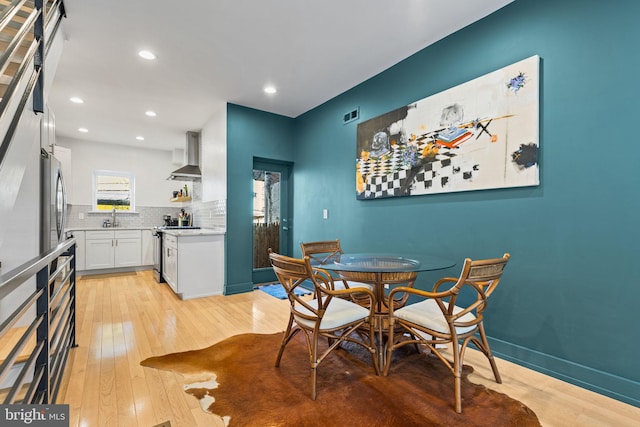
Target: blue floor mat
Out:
[276,290]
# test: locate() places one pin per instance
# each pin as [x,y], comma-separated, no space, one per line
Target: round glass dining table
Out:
[381,271]
[384,269]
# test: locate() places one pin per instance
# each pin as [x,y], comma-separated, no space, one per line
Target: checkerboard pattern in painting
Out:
[389,176]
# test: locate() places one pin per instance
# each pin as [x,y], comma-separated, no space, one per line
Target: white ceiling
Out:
[210,52]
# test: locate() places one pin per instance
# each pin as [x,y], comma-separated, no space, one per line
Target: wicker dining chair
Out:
[441,317]
[324,251]
[324,315]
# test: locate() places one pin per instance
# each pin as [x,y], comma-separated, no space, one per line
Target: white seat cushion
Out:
[340,312]
[427,313]
[339,284]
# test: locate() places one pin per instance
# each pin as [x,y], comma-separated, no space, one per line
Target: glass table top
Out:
[373,262]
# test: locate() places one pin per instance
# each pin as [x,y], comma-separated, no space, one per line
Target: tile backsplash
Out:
[210,214]
[205,214]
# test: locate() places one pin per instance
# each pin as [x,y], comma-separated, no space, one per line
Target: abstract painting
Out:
[479,135]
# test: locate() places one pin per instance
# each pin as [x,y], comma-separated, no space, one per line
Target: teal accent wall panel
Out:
[570,290]
[250,133]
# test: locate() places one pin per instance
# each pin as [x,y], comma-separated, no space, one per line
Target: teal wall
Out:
[250,133]
[568,302]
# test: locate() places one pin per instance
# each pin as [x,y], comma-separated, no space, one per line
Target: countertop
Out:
[174,232]
[106,228]
[194,232]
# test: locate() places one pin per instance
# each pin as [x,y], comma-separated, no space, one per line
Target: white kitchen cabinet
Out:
[127,253]
[170,261]
[80,249]
[193,263]
[99,254]
[148,242]
[112,249]
[99,251]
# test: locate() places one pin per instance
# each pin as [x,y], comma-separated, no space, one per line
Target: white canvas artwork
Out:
[479,135]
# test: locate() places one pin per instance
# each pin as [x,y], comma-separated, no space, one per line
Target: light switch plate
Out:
[325,213]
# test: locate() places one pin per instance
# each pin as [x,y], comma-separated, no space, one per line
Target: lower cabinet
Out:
[127,252]
[80,245]
[148,246]
[170,261]
[112,249]
[98,253]
[193,265]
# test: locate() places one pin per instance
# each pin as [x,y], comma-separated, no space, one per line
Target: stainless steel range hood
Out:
[190,171]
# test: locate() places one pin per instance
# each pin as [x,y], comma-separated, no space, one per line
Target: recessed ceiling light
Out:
[140,138]
[270,89]
[76,100]
[147,54]
[150,113]
[83,130]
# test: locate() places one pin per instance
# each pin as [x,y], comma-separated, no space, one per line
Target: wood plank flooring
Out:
[125,318]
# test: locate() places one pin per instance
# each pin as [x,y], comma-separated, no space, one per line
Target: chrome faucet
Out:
[114,223]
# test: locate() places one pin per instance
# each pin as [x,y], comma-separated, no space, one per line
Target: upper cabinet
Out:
[48,143]
[47,129]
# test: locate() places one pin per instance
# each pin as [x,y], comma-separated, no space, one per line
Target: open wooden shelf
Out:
[180,199]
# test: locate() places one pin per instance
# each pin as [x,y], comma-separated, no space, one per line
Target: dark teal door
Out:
[271,215]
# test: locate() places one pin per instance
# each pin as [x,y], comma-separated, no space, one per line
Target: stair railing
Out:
[44,320]
[32,27]
[36,378]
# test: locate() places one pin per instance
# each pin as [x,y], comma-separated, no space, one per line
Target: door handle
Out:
[285,228]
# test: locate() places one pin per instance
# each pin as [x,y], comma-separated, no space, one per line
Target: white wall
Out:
[20,207]
[20,195]
[213,162]
[150,167]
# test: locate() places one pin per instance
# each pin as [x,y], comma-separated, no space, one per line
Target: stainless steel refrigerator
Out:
[53,202]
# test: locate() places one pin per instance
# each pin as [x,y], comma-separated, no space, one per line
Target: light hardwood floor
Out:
[125,318]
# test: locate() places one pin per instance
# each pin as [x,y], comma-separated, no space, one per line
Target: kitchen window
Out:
[113,190]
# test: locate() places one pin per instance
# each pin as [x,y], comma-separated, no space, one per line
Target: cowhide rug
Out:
[237,380]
